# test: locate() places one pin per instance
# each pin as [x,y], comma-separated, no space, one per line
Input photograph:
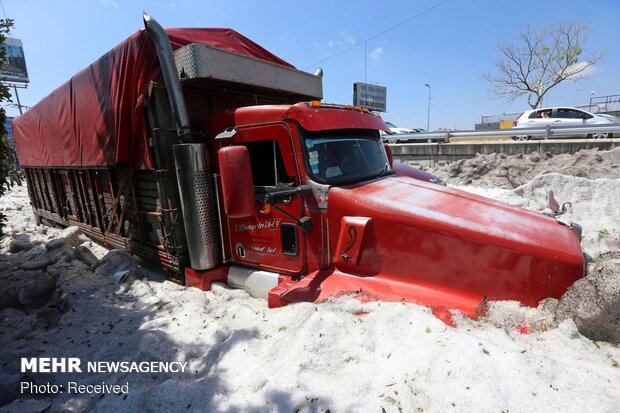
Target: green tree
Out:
[536,62]
[6,168]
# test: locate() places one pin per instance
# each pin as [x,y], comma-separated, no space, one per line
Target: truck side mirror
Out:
[237,184]
[388,152]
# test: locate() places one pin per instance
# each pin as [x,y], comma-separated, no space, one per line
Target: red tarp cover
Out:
[96,118]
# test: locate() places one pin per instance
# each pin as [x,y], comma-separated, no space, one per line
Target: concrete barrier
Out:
[433,153]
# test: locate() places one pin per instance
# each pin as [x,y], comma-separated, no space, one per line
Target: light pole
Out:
[428,117]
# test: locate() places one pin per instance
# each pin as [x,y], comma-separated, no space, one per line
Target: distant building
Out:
[8,125]
[492,122]
[609,105]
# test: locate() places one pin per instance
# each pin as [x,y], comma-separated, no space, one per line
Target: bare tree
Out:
[536,62]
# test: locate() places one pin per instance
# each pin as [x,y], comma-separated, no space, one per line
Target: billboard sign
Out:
[15,68]
[373,97]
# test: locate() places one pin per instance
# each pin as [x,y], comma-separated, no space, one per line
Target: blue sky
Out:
[449,47]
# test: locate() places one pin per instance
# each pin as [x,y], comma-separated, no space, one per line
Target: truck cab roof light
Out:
[318,104]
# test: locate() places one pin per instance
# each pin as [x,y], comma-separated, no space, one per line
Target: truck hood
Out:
[449,243]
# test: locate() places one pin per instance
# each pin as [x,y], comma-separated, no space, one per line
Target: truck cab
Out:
[295,154]
[322,211]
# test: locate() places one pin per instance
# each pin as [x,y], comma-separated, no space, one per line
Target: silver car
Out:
[562,116]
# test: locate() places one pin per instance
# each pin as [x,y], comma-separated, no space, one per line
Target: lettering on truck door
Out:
[270,238]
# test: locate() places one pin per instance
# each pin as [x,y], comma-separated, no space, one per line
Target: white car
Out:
[400,134]
[562,116]
[397,130]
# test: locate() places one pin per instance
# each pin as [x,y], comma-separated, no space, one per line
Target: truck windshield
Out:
[343,157]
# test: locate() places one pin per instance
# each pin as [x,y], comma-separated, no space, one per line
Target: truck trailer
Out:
[199,150]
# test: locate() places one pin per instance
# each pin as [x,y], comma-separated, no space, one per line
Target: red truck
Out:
[203,152]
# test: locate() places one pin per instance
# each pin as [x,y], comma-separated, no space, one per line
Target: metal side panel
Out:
[163,137]
[197,60]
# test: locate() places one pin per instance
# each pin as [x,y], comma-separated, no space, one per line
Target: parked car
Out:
[395,129]
[400,135]
[562,116]
[411,137]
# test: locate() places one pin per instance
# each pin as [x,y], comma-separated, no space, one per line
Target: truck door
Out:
[270,238]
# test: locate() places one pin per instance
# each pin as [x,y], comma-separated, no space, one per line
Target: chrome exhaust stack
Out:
[194,179]
[169,72]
